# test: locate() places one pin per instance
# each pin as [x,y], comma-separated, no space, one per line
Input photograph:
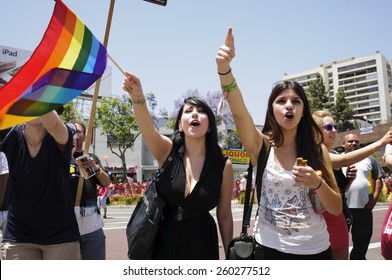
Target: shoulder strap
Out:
[261,162]
[167,164]
[248,203]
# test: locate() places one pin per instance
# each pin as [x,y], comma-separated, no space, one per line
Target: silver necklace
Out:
[31,146]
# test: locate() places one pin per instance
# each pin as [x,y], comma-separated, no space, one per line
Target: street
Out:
[116,243]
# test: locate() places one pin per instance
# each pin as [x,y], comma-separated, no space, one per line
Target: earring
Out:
[180,128]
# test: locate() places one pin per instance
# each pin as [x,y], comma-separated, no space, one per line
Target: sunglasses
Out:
[329,127]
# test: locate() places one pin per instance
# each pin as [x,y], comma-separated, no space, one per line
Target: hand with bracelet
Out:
[133,86]
[225,55]
[307,176]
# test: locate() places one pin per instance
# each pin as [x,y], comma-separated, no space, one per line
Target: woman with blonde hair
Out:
[337,225]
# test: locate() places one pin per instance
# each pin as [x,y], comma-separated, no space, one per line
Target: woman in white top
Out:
[287,226]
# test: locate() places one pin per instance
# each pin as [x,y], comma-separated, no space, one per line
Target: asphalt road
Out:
[117,219]
[116,244]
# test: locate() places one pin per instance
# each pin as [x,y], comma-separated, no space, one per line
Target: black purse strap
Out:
[261,162]
[248,202]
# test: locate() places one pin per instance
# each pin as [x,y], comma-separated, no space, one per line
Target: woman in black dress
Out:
[199,179]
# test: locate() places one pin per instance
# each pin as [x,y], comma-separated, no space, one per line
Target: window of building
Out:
[357,65]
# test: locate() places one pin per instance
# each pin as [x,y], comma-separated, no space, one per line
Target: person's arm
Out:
[250,137]
[55,127]
[158,144]
[223,211]
[377,190]
[388,156]
[102,176]
[343,160]
[377,175]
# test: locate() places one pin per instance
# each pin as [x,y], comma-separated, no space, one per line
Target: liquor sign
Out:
[237,156]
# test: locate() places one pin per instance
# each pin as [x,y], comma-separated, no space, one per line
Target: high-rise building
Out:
[367,83]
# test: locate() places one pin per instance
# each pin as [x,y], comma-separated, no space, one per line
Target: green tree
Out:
[115,117]
[318,97]
[70,111]
[342,111]
[232,139]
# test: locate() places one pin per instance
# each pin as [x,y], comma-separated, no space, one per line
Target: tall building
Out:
[367,82]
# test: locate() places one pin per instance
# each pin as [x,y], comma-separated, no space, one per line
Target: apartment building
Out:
[367,82]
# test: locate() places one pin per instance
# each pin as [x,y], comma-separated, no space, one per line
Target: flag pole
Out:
[117,65]
[94,104]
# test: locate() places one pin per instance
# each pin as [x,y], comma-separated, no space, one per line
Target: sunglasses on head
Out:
[329,127]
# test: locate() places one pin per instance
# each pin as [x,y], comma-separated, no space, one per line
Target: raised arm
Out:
[388,156]
[343,160]
[55,127]
[158,144]
[250,137]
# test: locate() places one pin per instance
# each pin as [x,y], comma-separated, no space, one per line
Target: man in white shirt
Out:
[362,197]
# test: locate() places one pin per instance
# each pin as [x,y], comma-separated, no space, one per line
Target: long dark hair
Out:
[309,136]
[212,146]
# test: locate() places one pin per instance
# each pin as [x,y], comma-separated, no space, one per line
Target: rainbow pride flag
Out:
[68,60]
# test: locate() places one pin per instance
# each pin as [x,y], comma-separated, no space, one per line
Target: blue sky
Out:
[172,49]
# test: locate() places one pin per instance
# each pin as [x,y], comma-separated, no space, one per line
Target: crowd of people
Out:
[306,207]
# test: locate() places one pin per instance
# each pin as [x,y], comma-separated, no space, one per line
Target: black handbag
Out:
[143,225]
[243,247]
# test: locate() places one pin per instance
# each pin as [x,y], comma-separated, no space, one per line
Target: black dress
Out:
[342,182]
[188,231]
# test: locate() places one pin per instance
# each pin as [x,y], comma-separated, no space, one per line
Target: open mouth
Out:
[289,116]
[195,123]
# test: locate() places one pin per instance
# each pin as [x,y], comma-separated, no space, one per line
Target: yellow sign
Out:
[237,157]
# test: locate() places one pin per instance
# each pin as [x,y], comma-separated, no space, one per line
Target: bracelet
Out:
[319,186]
[98,171]
[229,88]
[140,101]
[222,74]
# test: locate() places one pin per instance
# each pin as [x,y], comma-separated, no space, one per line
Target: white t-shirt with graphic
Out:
[286,220]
